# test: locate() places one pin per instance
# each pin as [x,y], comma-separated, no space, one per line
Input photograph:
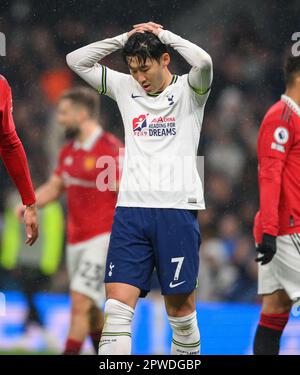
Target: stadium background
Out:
[247,41]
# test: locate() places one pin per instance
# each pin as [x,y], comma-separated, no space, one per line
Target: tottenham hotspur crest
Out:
[170,99]
[111,266]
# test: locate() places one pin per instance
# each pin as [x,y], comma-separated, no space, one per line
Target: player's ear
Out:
[165,59]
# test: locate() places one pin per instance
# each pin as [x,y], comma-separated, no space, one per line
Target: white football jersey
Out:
[161,139]
[162,131]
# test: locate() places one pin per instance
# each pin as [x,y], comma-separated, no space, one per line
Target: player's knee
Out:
[117,312]
[179,308]
[81,304]
[270,306]
[184,325]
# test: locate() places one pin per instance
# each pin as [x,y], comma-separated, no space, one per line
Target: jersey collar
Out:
[291,103]
[89,143]
[174,80]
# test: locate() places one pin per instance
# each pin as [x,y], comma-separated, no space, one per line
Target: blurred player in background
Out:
[89,211]
[277,224]
[153,226]
[15,161]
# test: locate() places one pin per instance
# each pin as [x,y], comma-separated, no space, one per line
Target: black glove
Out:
[267,248]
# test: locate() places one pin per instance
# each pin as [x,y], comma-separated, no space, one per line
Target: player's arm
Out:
[85,62]
[11,148]
[201,74]
[15,161]
[274,143]
[50,191]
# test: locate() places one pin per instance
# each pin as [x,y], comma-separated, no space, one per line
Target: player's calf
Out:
[273,319]
[186,335]
[80,323]
[116,334]
[96,326]
[183,320]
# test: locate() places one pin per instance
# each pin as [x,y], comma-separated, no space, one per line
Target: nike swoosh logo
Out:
[171,285]
[135,96]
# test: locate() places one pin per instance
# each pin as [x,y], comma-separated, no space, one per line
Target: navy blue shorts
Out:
[146,238]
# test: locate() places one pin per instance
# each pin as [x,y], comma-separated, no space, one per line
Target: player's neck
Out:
[86,130]
[167,80]
[294,94]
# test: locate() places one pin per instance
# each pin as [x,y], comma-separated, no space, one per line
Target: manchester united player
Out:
[277,224]
[15,161]
[90,209]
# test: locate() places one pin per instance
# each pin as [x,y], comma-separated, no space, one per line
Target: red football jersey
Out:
[11,148]
[83,170]
[279,170]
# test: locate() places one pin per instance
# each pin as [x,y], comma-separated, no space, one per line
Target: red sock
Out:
[72,347]
[96,336]
[274,321]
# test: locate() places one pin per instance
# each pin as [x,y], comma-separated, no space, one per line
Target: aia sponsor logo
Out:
[139,123]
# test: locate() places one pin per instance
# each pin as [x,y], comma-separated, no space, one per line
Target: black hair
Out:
[86,97]
[144,45]
[291,68]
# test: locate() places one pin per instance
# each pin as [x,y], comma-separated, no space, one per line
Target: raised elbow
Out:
[70,60]
[207,62]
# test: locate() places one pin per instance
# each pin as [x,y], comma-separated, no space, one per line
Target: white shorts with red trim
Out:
[86,266]
[283,272]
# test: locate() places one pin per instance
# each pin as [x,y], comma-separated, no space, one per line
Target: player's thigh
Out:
[130,258]
[87,268]
[122,292]
[287,264]
[276,303]
[177,251]
[282,274]
[180,304]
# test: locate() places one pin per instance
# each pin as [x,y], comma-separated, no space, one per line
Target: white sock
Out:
[116,333]
[186,335]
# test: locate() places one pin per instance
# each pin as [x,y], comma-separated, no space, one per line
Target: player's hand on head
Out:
[152,27]
[31,224]
[267,248]
[135,30]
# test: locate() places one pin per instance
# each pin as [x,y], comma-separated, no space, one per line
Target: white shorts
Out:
[283,272]
[86,267]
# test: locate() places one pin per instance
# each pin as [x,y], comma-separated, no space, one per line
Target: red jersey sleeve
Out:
[11,148]
[274,142]
[6,107]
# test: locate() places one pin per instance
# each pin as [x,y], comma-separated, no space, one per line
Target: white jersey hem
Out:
[180,207]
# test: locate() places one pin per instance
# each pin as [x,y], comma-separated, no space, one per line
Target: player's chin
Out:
[147,88]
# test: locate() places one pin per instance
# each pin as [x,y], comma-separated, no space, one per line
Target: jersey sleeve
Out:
[275,139]
[200,75]
[112,82]
[197,100]
[274,143]
[6,108]
[11,148]
[86,62]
